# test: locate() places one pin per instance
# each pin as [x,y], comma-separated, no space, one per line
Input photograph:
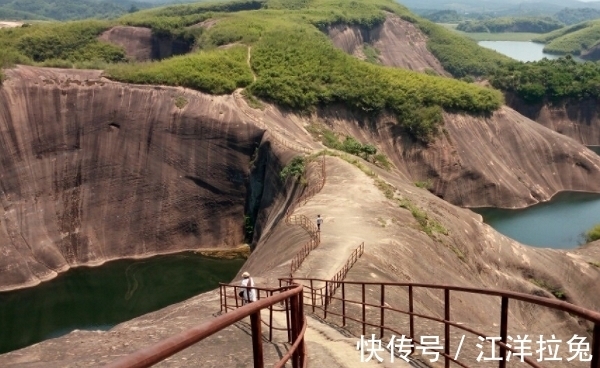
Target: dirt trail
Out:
[248,62]
[347,218]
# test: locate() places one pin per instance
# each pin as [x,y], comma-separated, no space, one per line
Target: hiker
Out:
[247,293]
[319,222]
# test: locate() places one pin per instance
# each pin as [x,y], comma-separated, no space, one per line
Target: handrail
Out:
[385,309]
[151,355]
[305,222]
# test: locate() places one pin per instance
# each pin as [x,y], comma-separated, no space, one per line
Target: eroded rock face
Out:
[141,45]
[576,119]
[399,43]
[93,170]
[136,41]
[504,160]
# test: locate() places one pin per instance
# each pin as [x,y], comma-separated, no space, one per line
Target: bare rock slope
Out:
[398,42]
[93,170]
[576,119]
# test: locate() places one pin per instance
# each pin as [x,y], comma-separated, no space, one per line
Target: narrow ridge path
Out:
[347,217]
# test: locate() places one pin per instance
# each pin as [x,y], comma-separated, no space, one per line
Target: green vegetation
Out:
[444,16]
[371,54]
[350,145]
[217,71]
[72,42]
[252,101]
[296,65]
[295,168]
[66,9]
[248,228]
[461,56]
[550,80]
[511,24]
[487,36]
[426,184]
[595,264]
[571,16]
[554,290]
[180,102]
[429,225]
[593,234]
[572,40]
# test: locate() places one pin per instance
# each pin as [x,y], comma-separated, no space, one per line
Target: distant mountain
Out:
[504,7]
[67,9]
[572,16]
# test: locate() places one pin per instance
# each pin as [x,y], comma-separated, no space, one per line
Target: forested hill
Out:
[67,9]
[511,24]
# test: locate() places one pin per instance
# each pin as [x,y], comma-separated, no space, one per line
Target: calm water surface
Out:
[520,50]
[98,298]
[558,223]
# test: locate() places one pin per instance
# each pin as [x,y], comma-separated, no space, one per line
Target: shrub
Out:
[216,71]
[593,234]
[294,168]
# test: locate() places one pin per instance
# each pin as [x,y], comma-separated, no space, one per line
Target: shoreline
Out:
[240,252]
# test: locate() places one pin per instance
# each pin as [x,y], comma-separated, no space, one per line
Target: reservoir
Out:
[520,50]
[558,223]
[98,298]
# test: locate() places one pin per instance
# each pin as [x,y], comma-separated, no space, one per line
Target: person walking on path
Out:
[319,222]
[248,292]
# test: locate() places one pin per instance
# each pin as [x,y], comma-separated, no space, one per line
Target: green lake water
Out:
[558,223]
[98,298]
[521,50]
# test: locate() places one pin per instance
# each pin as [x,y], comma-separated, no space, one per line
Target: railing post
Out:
[343,304]
[295,329]
[411,318]
[312,295]
[257,348]
[503,331]
[271,320]
[221,296]
[596,346]
[301,347]
[447,327]
[382,321]
[288,321]
[326,301]
[364,311]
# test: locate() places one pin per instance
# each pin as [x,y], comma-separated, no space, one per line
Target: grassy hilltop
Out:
[294,62]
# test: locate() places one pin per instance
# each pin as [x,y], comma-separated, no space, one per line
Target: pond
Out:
[558,223]
[98,298]
[520,50]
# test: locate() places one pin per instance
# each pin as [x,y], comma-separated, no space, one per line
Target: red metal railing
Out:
[338,307]
[305,222]
[292,296]
[230,300]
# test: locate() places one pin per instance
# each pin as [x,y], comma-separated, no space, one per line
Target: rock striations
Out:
[93,170]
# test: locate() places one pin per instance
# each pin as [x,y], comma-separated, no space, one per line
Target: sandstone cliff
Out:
[94,170]
[141,45]
[398,42]
[576,119]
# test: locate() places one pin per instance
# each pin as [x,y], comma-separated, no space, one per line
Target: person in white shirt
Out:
[319,222]
[248,292]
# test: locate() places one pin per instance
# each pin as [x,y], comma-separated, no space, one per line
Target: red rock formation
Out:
[504,160]
[576,119]
[399,42]
[136,41]
[93,170]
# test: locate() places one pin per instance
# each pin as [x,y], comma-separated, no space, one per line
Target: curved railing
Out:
[305,222]
[291,295]
[338,308]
